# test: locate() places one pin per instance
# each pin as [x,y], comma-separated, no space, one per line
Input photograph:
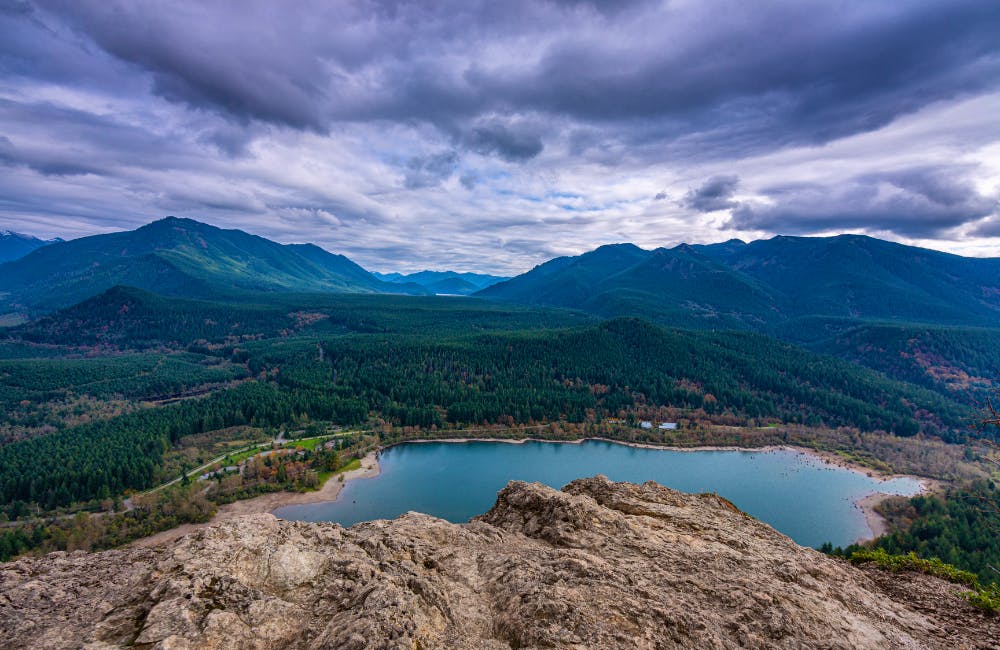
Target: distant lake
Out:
[810,501]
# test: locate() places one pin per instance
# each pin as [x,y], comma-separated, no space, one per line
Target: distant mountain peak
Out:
[171,219]
[444,282]
[685,248]
[759,284]
[179,257]
[622,246]
[15,245]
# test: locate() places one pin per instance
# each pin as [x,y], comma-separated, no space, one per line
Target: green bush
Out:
[910,562]
[986,598]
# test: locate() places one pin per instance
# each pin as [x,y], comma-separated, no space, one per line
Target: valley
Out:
[565,324]
[212,396]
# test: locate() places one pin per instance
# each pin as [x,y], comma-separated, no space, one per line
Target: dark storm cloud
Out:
[207,59]
[10,155]
[988,228]
[291,119]
[87,140]
[428,171]
[715,194]
[918,202]
[762,76]
[765,75]
[508,143]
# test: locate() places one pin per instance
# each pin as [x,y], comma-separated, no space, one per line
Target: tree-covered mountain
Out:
[445,282]
[765,283]
[178,257]
[14,245]
[575,374]
[863,277]
[952,360]
[126,318]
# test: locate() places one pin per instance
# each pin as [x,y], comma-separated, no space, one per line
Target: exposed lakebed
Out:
[798,494]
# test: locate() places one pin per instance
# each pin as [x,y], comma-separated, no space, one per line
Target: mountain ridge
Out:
[179,257]
[444,282]
[14,245]
[761,284]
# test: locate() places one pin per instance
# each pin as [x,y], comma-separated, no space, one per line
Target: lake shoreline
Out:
[828,457]
[267,503]
[877,524]
[370,468]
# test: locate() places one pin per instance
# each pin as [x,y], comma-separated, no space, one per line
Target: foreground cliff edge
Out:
[597,565]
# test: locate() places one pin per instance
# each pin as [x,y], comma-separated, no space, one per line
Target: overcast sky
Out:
[495,135]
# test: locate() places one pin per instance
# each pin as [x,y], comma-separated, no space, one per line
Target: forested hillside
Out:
[952,360]
[960,527]
[126,318]
[178,257]
[763,284]
[576,375]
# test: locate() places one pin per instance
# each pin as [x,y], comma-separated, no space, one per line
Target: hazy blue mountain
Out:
[14,245]
[178,257]
[768,282]
[444,282]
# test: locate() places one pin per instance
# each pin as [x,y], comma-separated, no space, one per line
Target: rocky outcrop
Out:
[596,565]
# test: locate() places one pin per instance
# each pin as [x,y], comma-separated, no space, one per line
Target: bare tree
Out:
[987,502]
[990,417]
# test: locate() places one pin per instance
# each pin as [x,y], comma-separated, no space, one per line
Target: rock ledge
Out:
[596,565]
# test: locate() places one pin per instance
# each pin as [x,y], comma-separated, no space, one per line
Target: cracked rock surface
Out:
[596,565]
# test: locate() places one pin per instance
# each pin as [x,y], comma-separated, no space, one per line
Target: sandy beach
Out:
[875,521]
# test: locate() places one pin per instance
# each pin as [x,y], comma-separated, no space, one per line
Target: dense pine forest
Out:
[576,375]
[960,527]
[105,398]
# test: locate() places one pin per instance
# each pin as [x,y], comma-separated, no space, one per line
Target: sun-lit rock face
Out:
[597,565]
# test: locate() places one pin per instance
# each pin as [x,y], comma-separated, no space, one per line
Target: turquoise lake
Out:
[810,501]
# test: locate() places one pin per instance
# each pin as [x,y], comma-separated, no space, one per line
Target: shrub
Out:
[986,598]
[910,562]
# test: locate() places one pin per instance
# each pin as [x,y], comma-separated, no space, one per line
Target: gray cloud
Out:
[916,202]
[715,194]
[468,181]
[647,69]
[987,228]
[559,119]
[53,165]
[428,171]
[509,143]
